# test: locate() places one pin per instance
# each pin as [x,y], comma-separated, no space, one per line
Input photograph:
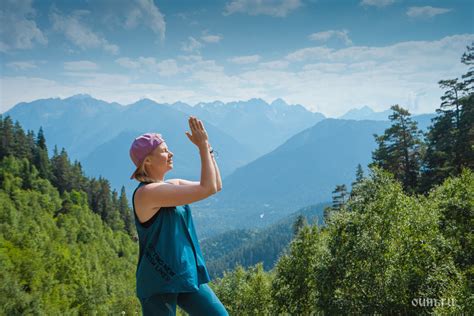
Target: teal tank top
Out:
[170,259]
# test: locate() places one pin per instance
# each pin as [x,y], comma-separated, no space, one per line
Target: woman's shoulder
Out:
[142,191]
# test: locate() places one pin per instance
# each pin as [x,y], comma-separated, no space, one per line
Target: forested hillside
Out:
[384,252]
[65,240]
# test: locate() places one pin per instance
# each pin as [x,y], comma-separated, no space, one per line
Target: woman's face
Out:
[160,158]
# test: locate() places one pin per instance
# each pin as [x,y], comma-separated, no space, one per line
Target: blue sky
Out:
[329,56]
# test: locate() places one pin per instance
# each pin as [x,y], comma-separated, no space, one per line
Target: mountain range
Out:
[274,158]
[99,134]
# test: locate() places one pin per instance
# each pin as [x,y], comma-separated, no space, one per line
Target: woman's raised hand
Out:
[198,133]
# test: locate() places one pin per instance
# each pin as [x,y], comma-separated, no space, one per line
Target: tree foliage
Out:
[63,174]
[384,250]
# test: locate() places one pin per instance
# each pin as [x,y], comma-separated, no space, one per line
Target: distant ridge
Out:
[250,246]
[366,113]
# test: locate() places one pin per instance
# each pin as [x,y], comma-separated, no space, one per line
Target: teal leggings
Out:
[203,302]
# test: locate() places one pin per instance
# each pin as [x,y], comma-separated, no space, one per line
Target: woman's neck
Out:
[156,180]
[155,177]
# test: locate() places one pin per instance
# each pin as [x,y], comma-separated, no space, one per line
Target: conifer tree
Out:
[61,170]
[7,140]
[41,159]
[359,175]
[468,60]
[126,212]
[20,143]
[400,148]
[299,223]
[339,196]
[358,179]
[450,139]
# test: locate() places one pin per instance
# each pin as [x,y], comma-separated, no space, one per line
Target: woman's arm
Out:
[187,182]
[218,174]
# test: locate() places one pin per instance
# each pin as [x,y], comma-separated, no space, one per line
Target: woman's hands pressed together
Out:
[200,138]
[198,135]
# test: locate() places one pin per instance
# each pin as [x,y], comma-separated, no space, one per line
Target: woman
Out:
[171,270]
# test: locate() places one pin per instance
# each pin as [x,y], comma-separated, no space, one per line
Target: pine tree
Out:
[126,212]
[339,198]
[114,217]
[358,179]
[20,144]
[41,159]
[299,223]
[400,148]
[468,60]
[7,137]
[61,170]
[30,142]
[450,139]
[78,180]
[41,139]
[466,132]
[359,175]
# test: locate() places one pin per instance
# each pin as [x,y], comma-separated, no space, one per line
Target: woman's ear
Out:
[147,161]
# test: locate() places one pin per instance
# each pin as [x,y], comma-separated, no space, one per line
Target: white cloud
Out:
[128,63]
[192,45]
[197,63]
[18,29]
[309,53]
[326,67]
[98,80]
[14,90]
[111,48]
[81,65]
[192,18]
[415,12]
[326,35]
[211,38]
[167,67]
[147,13]
[377,3]
[241,60]
[190,58]
[79,33]
[336,80]
[22,65]
[275,64]
[277,8]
